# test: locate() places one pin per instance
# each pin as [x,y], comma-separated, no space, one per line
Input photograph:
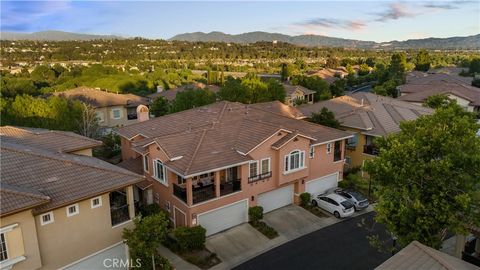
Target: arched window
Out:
[295,160]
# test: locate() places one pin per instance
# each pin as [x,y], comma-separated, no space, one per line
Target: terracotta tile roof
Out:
[417,77]
[172,93]
[420,92]
[14,198]
[418,256]
[135,165]
[279,108]
[220,134]
[54,140]
[375,115]
[64,178]
[99,98]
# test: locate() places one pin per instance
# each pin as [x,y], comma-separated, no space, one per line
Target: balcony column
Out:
[217,184]
[131,202]
[189,191]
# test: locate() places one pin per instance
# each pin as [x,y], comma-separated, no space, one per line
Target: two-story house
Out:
[369,116]
[112,109]
[60,208]
[208,165]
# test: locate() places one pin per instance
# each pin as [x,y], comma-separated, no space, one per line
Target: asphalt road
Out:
[340,246]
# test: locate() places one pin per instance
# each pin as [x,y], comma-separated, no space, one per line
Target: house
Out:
[418,256]
[60,208]
[297,94]
[172,93]
[112,109]
[368,115]
[209,164]
[330,75]
[421,85]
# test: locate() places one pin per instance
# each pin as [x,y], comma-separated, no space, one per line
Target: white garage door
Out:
[320,185]
[225,217]
[276,198]
[102,260]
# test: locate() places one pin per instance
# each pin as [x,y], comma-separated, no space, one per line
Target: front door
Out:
[179,218]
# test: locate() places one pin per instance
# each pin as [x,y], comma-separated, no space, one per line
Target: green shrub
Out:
[266,230]
[305,199]
[190,238]
[255,214]
[151,209]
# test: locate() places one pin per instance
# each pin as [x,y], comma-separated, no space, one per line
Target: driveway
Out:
[341,246]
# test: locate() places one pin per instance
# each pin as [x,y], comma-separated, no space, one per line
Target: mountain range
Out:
[469,42]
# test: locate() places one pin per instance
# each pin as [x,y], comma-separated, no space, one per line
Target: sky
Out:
[379,21]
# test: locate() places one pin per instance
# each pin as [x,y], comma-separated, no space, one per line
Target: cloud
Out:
[333,23]
[395,11]
[22,15]
[446,5]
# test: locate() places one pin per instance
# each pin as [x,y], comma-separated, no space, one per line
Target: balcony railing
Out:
[259,177]
[119,214]
[351,146]
[370,149]
[205,193]
[230,187]
[180,192]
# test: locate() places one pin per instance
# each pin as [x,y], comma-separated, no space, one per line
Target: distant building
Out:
[297,94]
[172,93]
[330,75]
[60,207]
[113,110]
[420,86]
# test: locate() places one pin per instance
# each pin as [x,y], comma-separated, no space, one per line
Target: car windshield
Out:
[347,204]
[357,195]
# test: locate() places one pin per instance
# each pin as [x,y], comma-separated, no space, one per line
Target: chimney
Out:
[143,113]
[159,88]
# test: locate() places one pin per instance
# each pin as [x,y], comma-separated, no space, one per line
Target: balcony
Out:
[230,187]
[180,192]
[256,178]
[200,194]
[370,150]
[350,146]
[119,214]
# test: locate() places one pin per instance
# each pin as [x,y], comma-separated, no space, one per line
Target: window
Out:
[116,113]
[352,142]
[72,210]
[3,248]
[99,116]
[145,162]
[295,160]
[312,151]
[265,165]
[181,180]
[160,172]
[253,168]
[96,202]
[46,218]
[167,206]
[329,148]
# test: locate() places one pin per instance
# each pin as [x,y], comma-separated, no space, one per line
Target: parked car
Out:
[359,201]
[335,204]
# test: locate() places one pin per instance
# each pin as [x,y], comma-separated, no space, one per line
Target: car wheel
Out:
[314,203]
[336,214]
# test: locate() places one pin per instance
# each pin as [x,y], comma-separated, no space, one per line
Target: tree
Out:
[159,106]
[144,240]
[363,70]
[192,98]
[474,66]
[332,62]
[388,88]
[437,101]
[397,68]
[275,91]
[428,178]
[325,118]
[422,62]
[88,123]
[286,71]
[233,90]
[370,62]
[476,82]
[337,88]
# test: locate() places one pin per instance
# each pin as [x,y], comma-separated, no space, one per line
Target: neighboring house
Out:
[209,164]
[420,86]
[330,74]
[60,207]
[172,93]
[297,94]
[419,256]
[368,115]
[113,110]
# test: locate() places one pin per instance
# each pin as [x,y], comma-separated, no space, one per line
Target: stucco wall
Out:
[84,152]
[69,239]
[22,240]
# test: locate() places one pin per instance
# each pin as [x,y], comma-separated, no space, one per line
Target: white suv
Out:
[335,204]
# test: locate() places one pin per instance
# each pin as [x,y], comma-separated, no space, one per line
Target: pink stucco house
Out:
[208,165]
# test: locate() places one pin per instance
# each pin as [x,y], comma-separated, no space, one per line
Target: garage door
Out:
[276,198]
[225,217]
[102,260]
[320,185]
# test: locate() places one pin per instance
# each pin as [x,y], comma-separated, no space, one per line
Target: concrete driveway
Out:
[293,221]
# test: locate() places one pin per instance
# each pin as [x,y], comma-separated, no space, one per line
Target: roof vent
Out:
[51,179]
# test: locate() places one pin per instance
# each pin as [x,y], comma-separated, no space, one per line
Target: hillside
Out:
[470,42]
[53,36]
